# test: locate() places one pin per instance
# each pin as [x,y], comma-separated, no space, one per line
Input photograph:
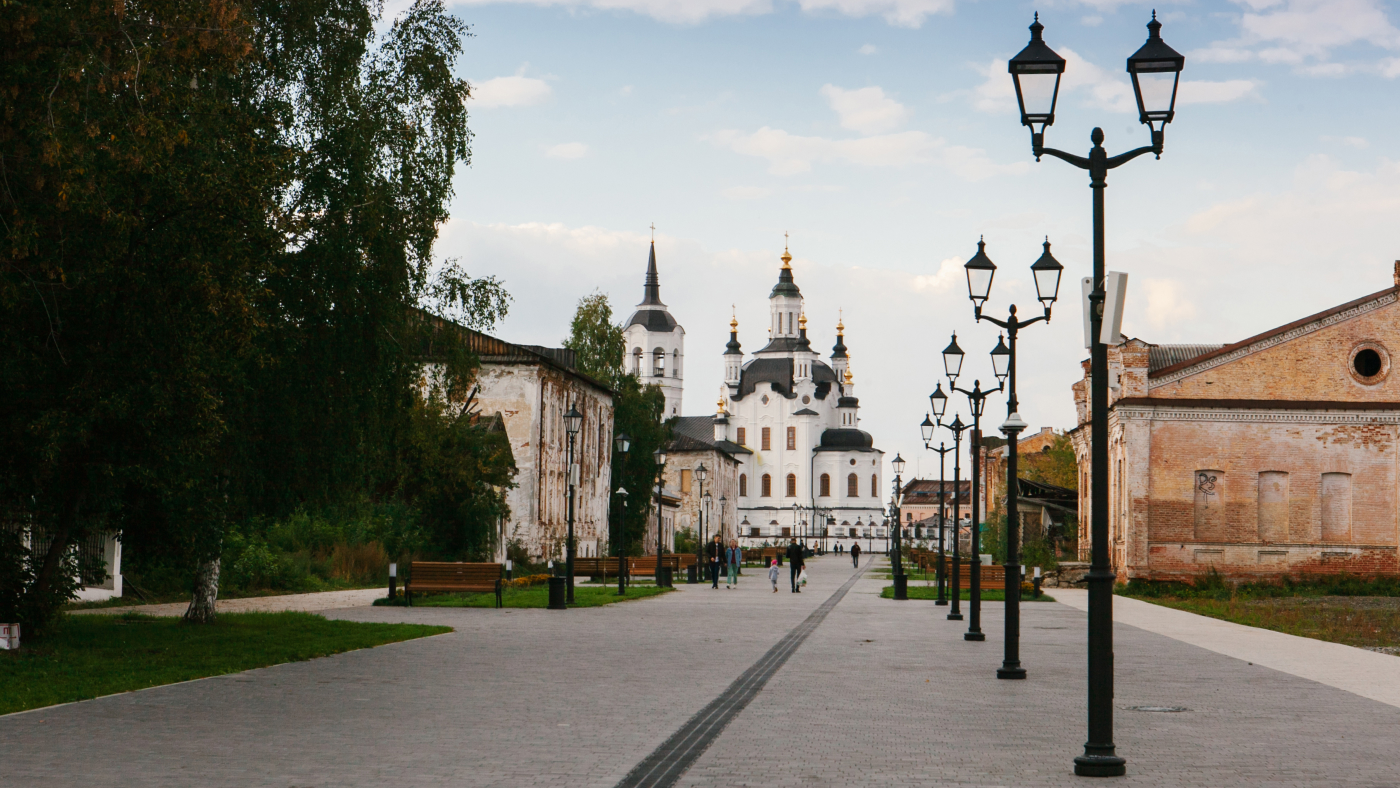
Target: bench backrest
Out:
[595,566]
[453,574]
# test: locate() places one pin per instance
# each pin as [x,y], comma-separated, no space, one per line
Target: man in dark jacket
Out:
[795,561]
[716,555]
[855,556]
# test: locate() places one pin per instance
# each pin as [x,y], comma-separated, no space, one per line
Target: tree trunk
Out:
[206,592]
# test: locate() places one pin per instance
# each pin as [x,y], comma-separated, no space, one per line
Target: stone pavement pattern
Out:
[882,693]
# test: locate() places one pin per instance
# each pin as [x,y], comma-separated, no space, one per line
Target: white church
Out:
[806,470]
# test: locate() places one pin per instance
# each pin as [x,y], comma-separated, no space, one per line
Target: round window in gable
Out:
[806,400]
[1369,364]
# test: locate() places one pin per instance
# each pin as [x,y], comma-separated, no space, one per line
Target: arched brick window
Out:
[853,486]
[767,485]
[791,485]
[743,484]
[826,485]
[874,486]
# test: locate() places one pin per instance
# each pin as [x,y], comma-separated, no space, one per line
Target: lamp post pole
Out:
[622,445]
[901,582]
[942,518]
[976,399]
[660,457]
[573,420]
[955,590]
[1040,68]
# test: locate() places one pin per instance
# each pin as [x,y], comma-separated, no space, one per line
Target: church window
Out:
[874,486]
[789,323]
[675,363]
[792,438]
[791,485]
[767,439]
[659,363]
[637,362]
[853,486]
[744,485]
[826,485]
[685,480]
[741,436]
[1336,507]
[767,485]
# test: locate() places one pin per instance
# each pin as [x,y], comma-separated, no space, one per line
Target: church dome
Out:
[846,439]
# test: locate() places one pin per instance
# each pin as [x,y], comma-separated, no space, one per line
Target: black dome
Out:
[846,438]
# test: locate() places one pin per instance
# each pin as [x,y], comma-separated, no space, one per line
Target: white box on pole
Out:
[1087,285]
[1117,292]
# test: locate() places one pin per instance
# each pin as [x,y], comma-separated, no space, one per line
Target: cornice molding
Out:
[1258,416]
[1273,341]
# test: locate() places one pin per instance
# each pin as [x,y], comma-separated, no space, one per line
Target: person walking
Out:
[796,559]
[773,572]
[716,551]
[732,557]
[855,556]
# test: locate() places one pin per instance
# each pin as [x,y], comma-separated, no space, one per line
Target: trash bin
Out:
[556,593]
[663,577]
[692,574]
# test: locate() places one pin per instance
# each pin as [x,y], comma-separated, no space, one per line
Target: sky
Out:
[882,137]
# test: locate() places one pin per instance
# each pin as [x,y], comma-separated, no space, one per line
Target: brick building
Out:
[1270,456]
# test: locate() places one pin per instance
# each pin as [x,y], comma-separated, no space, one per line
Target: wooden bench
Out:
[596,567]
[646,565]
[454,577]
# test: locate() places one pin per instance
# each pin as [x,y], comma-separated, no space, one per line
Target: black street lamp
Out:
[662,578]
[1149,67]
[701,473]
[1046,271]
[928,427]
[622,444]
[976,400]
[573,422]
[955,590]
[901,582]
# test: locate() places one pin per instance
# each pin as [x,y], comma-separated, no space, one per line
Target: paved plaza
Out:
[879,693]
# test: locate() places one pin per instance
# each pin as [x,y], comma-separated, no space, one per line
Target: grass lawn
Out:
[988,594]
[1368,622]
[130,600]
[86,657]
[538,596]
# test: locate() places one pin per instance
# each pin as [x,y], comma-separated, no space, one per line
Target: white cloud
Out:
[1083,81]
[1294,32]
[513,91]
[1205,92]
[791,154]
[746,192]
[865,110]
[901,13]
[625,90]
[1167,304]
[868,49]
[1093,20]
[567,150]
[950,274]
[1351,142]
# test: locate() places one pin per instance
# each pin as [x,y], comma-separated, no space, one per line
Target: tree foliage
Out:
[216,216]
[1055,464]
[637,412]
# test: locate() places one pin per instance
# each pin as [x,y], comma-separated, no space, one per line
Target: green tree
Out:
[1055,464]
[597,341]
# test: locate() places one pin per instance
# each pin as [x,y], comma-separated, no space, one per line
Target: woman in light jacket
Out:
[733,556]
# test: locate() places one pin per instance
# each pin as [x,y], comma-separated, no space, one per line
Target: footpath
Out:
[305,603]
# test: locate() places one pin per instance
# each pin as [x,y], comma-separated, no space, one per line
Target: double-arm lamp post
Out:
[1156,71]
[980,272]
[573,422]
[621,446]
[976,400]
[701,474]
[939,400]
[660,457]
[927,427]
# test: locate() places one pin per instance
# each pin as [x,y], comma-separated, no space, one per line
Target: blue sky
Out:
[883,136]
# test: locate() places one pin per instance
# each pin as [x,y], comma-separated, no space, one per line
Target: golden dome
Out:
[802,321]
[733,320]
[840,326]
[721,405]
[786,258]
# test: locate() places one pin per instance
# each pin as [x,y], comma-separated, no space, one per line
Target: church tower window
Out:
[874,486]
[741,440]
[637,362]
[767,485]
[853,486]
[743,484]
[767,439]
[792,438]
[826,485]
[659,364]
[792,485]
[675,363]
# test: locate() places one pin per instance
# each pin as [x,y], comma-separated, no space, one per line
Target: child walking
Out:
[773,573]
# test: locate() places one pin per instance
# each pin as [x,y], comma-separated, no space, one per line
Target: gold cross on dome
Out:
[653,232]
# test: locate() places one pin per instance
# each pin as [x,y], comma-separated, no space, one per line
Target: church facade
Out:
[811,472]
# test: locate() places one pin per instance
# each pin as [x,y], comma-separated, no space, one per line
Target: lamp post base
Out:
[901,586]
[1013,672]
[955,616]
[1100,766]
[942,602]
[978,636]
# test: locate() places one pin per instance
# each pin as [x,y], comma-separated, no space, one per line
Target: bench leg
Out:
[408,596]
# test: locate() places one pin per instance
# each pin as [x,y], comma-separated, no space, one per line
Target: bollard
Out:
[556,593]
[393,580]
[509,567]
[1036,582]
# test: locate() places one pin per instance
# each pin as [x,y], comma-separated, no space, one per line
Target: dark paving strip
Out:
[665,765]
